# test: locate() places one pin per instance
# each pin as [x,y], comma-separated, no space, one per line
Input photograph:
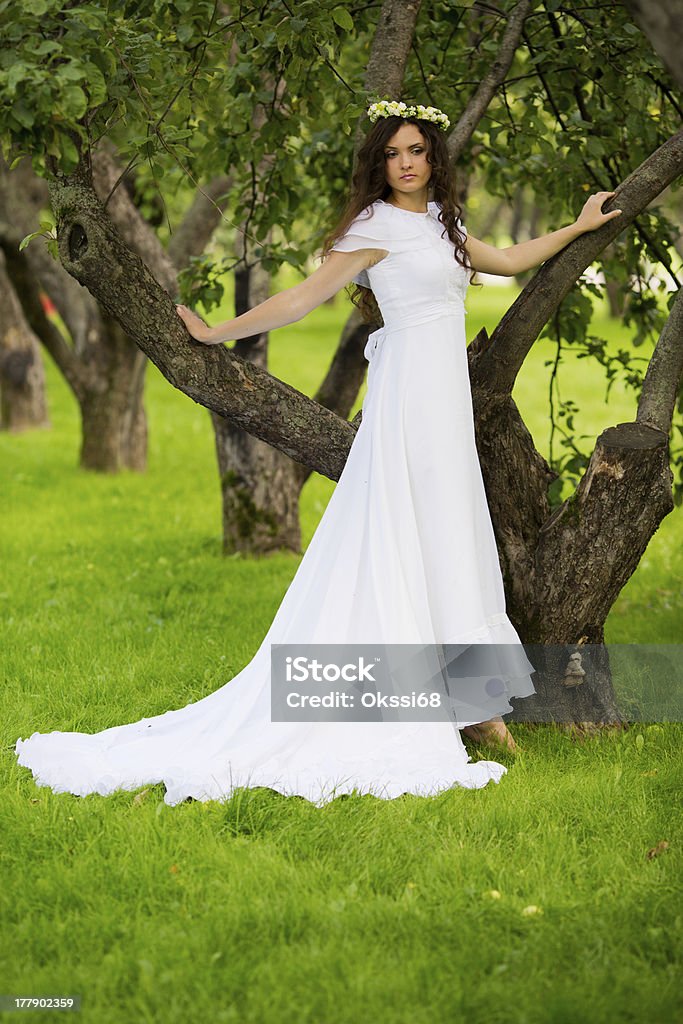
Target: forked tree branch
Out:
[497,361]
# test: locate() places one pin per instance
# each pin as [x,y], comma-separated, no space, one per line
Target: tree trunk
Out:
[615,299]
[23,404]
[260,493]
[259,485]
[573,684]
[103,367]
[114,423]
[564,570]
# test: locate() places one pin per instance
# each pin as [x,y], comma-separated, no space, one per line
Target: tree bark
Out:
[259,484]
[114,423]
[103,367]
[587,550]
[23,404]
[260,493]
[564,569]
[389,53]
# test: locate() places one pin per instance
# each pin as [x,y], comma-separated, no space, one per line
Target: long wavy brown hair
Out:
[369,184]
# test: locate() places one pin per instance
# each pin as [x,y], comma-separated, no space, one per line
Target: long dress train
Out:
[404,554]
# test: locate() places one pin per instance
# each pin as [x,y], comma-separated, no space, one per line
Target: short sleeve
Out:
[377,228]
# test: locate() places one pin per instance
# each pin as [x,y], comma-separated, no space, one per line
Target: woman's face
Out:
[405,160]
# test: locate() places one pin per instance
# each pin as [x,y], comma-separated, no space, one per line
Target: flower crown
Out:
[394,108]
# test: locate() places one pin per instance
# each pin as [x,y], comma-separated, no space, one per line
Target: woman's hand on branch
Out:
[288,306]
[592,217]
[195,325]
[516,259]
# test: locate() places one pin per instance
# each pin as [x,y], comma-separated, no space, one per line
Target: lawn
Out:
[551,897]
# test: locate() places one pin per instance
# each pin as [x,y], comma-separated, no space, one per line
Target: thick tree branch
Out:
[664,373]
[27,290]
[92,250]
[496,362]
[628,481]
[479,103]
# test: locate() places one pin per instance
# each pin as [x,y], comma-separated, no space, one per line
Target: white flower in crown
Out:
[396,108]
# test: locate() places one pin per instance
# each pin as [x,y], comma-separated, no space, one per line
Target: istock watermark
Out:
[468,683]
[303,670]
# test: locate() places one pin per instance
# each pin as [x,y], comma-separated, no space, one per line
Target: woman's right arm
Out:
[288,306]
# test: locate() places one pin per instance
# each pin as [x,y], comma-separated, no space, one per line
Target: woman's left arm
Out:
[527,255]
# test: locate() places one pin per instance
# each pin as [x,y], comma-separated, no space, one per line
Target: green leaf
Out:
[22,113]
[96,85]
[86,16]
[105,61]
[185,31]
[28,238]
[75,101]
[68,158]
[17,73]
[45,46]
[73,71]
[343,18]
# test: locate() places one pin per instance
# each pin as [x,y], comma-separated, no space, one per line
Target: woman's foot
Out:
[492,733]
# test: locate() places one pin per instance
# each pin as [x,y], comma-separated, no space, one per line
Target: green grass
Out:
[116,603]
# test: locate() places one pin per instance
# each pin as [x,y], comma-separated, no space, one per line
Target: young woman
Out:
[405,552]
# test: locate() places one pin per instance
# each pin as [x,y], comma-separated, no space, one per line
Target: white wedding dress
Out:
[404,554]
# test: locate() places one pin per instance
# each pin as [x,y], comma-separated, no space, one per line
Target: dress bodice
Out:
[420,277]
